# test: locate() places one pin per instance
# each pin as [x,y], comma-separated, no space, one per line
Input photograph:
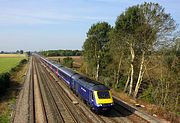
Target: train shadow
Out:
[120,109]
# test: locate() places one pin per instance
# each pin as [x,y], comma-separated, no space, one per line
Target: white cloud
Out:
[18,16]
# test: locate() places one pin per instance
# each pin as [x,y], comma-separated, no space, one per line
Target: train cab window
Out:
[103,94]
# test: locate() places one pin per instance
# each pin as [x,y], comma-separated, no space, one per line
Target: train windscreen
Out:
[103,94]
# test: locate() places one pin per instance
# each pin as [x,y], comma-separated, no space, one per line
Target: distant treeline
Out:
[17,52]
[61,53]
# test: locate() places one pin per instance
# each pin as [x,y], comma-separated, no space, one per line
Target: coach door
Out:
[73,84]
[91,97]
[76,87]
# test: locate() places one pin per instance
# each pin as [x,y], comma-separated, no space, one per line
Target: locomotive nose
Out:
[103,97]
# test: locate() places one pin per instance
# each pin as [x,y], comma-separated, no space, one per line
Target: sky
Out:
[37,25]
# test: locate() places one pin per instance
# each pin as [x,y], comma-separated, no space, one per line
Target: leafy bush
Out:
[147,95]
[23,61]
[68,62]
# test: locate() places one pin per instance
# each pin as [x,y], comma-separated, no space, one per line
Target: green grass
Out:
[4,117]
[7,63]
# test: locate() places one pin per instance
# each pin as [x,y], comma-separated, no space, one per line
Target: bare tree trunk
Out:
[161,87]
[86,70]
[132,69]
[114,77]
[127,82]
[97,68]
[139,77]
[166,93]
[119,66]
[177,101]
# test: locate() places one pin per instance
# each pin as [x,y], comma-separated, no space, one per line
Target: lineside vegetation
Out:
[140,55]
[9,78]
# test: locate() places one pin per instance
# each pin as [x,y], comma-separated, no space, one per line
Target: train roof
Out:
[91,84]
[68,71]
[99,87]
[57,65]
[60,67]
[76,76]
[52,62]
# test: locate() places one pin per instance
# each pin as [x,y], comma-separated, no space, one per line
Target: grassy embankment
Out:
[12,69]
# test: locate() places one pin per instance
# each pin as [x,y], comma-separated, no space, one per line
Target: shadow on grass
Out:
[10,92]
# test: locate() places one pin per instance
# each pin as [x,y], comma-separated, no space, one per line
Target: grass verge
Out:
[8,98]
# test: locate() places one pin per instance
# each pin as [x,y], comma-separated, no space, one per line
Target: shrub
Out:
[68,62]
[147,95]
[23,61]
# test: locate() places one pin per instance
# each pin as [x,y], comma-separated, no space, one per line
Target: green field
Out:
[6,63]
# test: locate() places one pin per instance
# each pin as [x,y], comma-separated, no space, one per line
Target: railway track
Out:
[51,101]
[37,112]
[31,95]
[118,114]
[57,102]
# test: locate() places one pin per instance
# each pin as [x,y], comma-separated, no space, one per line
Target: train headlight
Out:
[99,105]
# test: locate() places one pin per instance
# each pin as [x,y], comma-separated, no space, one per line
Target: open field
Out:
[12,55]
[8,61]
[78,60]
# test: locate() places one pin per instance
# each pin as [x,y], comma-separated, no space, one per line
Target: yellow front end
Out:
[104,100]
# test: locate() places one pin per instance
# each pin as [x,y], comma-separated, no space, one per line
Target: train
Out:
[95,94]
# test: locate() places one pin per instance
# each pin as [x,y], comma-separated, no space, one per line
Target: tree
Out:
[118,51]
[127,23]
[155,26]
[95,45]
[21,51]
[144,28]
[17,51]
[141,53]
[28,53]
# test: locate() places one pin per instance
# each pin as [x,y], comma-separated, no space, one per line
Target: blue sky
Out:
[60,24]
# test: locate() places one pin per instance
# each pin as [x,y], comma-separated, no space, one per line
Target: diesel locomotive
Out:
[93,93]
